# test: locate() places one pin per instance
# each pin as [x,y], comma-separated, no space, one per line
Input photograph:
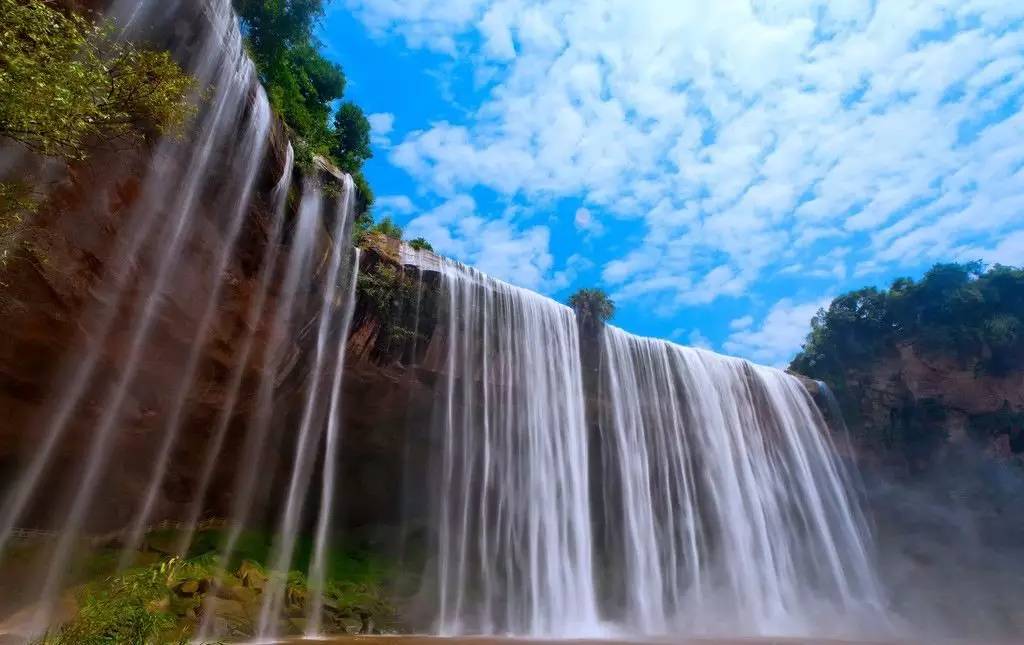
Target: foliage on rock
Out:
[962,315]
[133,607]
[165,601]
[66,84]
[403,306]
[68,87]
[420,244]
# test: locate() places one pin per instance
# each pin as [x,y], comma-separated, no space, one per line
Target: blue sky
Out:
[721,168]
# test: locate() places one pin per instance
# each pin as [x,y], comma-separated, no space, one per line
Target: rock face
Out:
[911,410]
[940,445]
[54,285]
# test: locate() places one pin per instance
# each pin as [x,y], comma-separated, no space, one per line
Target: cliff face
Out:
[911,410]
[56,287]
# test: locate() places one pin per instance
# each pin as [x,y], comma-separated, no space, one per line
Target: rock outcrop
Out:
[911,410]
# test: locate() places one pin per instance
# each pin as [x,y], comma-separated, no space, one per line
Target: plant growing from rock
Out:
[67,85]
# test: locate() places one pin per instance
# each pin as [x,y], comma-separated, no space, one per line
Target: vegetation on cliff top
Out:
[304,88]
[67,87]
[66,84]
[593,307]
[958,312]
[303,85]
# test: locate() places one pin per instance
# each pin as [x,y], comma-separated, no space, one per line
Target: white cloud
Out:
[745,136]
[1008,251]
[587,223]
[699,340]
[394,204]
[381,122]
[381,125]
[741,323]
[780,335]
[497,246]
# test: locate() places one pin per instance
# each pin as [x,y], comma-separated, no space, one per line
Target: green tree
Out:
[421,244]
[593,307]
[67,85]
[300,82]
[364,192]
[351,138]
[303,85]
[388,228]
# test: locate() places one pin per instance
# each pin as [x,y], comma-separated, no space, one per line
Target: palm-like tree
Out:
[593,307]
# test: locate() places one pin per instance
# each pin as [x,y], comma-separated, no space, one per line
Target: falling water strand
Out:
[308,439]
[254,314]
[514,551]
[253,150]
[725,507]
[98,455]
[232,76]
[318,565]
[211,65]
[297,272]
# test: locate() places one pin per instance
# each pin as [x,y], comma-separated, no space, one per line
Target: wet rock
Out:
[252,576]
[187,588]
[230,617]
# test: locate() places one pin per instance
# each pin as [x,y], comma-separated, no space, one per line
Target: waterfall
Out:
[318,565]
[514,546]
[176,259]
[162,224]
[703,498]
[320,411]
[725,509]
[667,491]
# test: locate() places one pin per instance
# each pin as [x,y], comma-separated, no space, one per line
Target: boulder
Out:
[252,576]
[187,588]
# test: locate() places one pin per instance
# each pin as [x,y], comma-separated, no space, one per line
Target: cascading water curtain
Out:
[513,516]
[181,255]
[705,498]
[725,510]
[231,133]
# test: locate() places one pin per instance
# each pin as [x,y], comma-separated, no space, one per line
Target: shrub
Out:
[66,85]
[421,244]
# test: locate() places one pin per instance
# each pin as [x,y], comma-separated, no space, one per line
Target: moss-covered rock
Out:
[166,601]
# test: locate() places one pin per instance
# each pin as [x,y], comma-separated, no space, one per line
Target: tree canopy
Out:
[351,146]
[959,310]
[304,87]
[301,83]
[593,306]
